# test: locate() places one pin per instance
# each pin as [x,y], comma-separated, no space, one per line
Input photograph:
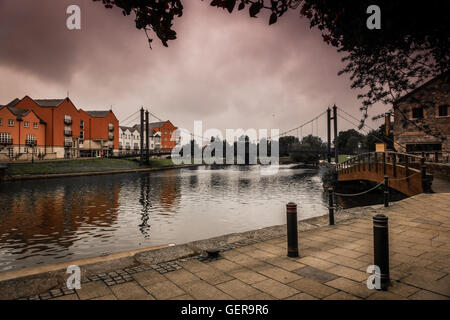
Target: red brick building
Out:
[22,134]
[69,132]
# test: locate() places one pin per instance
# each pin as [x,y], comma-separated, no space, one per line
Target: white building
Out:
[129,140]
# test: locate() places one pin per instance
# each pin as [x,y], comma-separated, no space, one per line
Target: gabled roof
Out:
[19,113]
[12,103]
[98,114]
[151,125]
[441,76]
[131,129]
[49,103]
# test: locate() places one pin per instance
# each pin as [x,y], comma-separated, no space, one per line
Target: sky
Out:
[228,70]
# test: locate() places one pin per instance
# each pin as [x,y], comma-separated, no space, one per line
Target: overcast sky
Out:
[231,71]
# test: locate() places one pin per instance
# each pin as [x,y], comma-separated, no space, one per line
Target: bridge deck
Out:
[396,166]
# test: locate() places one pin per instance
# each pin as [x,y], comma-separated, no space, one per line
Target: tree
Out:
[411,46]
[285,143]
[347,141]
[308,151]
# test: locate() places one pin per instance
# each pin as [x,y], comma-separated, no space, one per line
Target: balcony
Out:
[30,143]
[6,141]
[111,127]
[120,147]
[67,121]
[68,133]
[136,147]
[127,147]
[111,137]
[67,143]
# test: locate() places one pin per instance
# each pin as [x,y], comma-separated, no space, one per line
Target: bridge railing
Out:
[401,165]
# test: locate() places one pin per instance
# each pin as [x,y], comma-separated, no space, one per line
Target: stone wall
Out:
[430,96]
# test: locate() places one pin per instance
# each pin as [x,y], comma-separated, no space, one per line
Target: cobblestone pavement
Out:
[332,264]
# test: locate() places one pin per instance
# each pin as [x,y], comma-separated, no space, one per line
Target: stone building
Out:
[422,119]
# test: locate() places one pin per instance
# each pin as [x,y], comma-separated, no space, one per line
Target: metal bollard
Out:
[381,248]
[292,233]
[386,191]
[330,206]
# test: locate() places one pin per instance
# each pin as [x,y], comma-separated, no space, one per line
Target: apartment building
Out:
[163,136]
[22,134]
[71,132]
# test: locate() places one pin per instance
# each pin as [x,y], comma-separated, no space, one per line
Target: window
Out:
[417,113]
[81,124]
[26,124]
[35,125]
[81,134]
[5,137]
[10,152]
[11,122]
[1,121]
[443,111]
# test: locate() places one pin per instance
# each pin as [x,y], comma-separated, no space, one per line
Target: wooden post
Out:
[394,164]
[406,168]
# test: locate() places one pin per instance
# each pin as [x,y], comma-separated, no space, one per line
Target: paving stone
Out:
[316,263]
[312,287]
[213,276]
[285,263]
[340,295]
[67,297]
[130,291]
[315,274]
[181,276]
[237,289]
[349,273]
[108,297]
[183,297]
[427,295]
[276,289]
[204,291]
[147,278]
[93,290]
[225,265]
[164,290]
[248,276]
[301,296]
[278,274]
[350,286]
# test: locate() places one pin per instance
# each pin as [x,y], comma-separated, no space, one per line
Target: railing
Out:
[434,156]
[68,133]
[6,141]
[67,121]
[67,143]
[111,137]
[398,165]
[30,143]
[111,127]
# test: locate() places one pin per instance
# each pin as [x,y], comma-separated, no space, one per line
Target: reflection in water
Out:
[46,221]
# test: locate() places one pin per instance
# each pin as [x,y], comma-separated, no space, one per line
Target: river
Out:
[62,219]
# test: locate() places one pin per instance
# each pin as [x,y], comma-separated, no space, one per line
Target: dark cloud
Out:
[227,70]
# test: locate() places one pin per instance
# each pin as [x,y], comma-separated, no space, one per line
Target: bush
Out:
[328,175]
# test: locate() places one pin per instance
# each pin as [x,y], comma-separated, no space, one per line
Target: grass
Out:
[81,165]
[342,157]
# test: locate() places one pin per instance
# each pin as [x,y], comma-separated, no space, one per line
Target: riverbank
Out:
[81,167]
[253,264]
